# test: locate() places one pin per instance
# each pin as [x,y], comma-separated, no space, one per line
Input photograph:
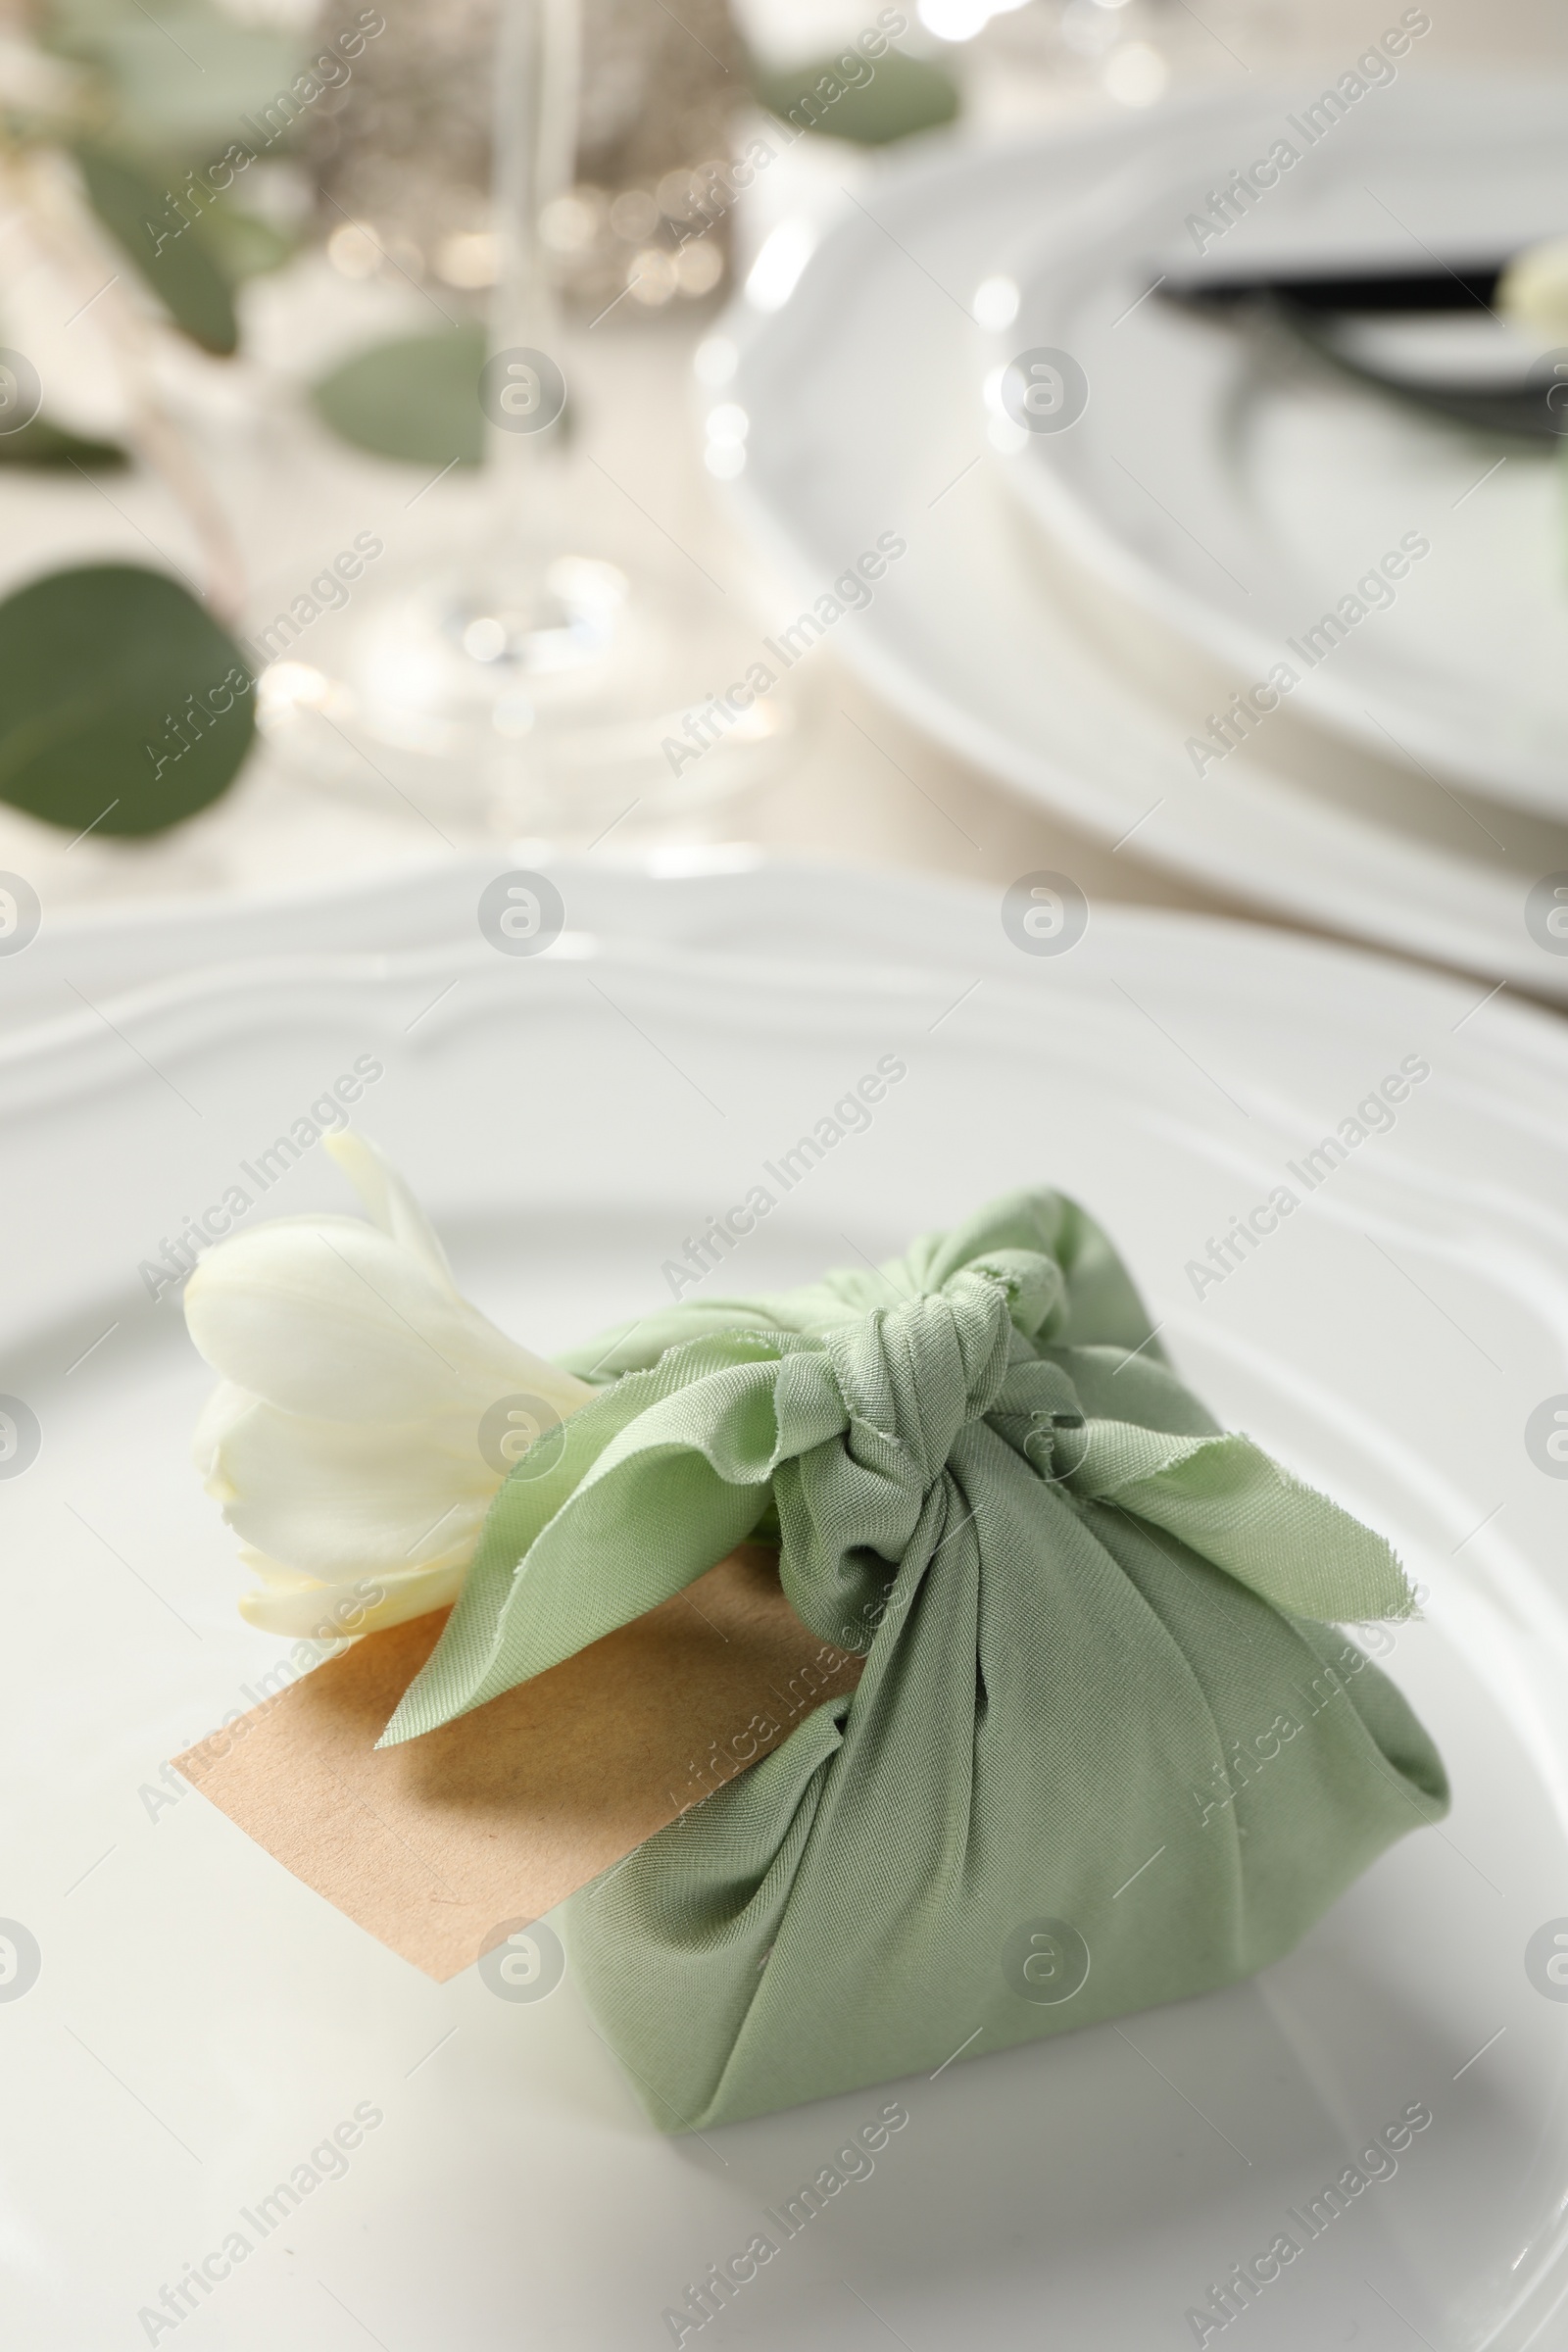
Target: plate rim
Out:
[1066,510]
[1316,866]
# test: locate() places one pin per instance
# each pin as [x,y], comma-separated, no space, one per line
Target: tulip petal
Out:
[389,1202]
[331,1318]
[336,1498]
[226,1405]
[323,1612]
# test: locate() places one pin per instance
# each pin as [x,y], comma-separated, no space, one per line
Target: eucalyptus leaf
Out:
[181,76]
[901,96]
[416,397]
[122,704]
[242,244]
[168,250]
[40,443]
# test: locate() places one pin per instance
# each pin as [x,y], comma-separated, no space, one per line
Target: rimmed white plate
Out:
[202,2022]
[1410,571]
[862,390]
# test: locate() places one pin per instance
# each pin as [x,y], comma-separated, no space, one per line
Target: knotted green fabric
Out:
[1107,1748]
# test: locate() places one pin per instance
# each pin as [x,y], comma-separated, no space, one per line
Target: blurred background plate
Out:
[1238,486]
[201,2022]
[860,367]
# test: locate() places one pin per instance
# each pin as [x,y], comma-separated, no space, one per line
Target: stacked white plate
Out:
[1077,606]
[183,2026]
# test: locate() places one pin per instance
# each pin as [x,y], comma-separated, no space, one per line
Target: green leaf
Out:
[43,444]
[904,95]
[242,244]
[122,704]
[416,399]
[181,74]
[166,249]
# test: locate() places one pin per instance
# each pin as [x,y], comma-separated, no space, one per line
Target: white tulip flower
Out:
[366,1414]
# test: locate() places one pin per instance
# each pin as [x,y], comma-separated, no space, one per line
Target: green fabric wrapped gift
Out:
[1107,1748]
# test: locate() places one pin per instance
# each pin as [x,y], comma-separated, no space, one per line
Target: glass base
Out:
[556,700]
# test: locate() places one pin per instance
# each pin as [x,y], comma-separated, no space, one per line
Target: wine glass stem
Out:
[538,49]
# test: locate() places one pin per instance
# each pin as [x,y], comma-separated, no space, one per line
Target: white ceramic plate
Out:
[202,2021]
[1240,492]
[863,387]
